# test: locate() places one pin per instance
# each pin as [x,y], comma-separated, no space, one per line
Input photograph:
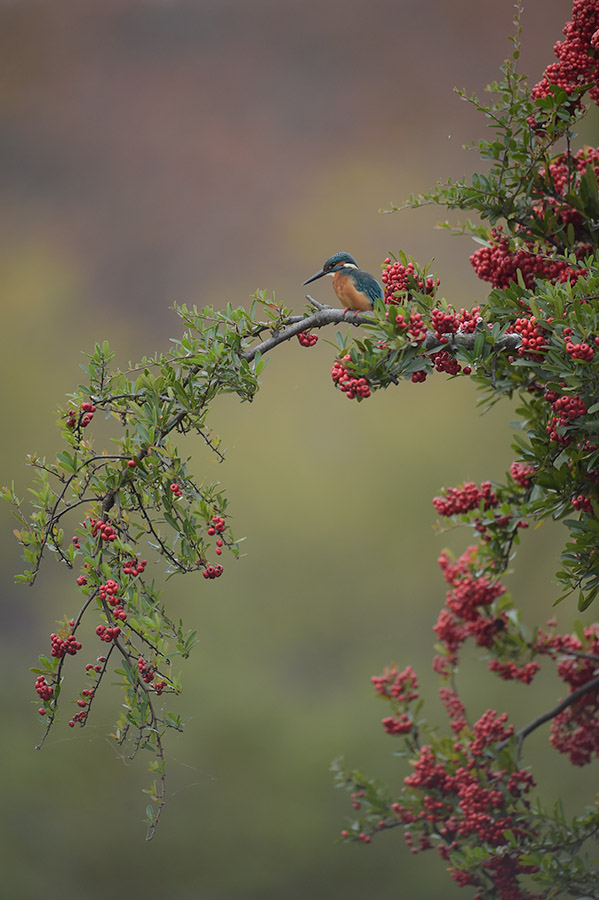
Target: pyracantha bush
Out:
[110,516]
[469,795]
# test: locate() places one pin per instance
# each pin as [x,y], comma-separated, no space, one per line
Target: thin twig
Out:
[591,685]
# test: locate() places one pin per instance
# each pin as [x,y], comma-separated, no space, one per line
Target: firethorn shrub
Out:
[107,517]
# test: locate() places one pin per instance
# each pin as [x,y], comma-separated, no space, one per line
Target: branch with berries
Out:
[467,795]
[109,517]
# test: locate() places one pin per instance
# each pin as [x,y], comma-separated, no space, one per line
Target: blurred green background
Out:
[155,151]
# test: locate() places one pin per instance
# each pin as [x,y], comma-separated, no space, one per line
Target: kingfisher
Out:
[356,289]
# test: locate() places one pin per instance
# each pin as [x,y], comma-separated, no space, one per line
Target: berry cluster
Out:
[533,341]
[61,647]
[560,178]
[418,377]
[582,503]
[396,277]
[134,567]
[579,351]
[462,500]
[401,724]
[306,339]
[213,571]
[146,671]
[82,703]
[455,709]
[468,595]
[108,634]
[499,264]
[554,435]
[81,417]
[522,473]
[78,717]
[104,529]
[109,592]
[444,362]
[567,407]
[446,322]
[414,325]
[351,386]
[44,689]
[467,612]
[577,57]
[217,525]
[443,323]
[509,671]
[400,686]
[176,489]
[563,169]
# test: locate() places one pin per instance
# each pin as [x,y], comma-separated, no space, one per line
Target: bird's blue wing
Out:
[368,284]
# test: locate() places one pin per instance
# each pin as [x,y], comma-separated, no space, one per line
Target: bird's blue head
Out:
[333,264]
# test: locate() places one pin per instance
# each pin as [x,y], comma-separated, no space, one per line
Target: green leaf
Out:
[341,341]
[585,600]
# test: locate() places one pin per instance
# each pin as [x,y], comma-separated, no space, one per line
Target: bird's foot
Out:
[356,313]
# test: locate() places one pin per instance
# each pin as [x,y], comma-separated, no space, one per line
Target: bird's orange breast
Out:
[350,296]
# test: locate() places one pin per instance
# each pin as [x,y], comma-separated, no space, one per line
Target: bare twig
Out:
[591,685]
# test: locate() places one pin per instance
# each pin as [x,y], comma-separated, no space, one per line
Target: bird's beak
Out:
[314,277]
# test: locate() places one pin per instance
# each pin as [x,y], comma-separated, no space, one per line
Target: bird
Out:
[356,289]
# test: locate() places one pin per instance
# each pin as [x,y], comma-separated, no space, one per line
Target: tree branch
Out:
[327,315]
[591,685]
